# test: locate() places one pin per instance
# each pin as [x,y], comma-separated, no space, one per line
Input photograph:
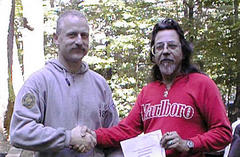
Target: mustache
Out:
[79,48]
[166,59]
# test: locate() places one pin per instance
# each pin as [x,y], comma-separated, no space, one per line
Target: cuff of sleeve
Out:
[197,143]
[99,137]
[68,138]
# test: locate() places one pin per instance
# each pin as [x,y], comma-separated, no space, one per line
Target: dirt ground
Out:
[4,144]
[5,147]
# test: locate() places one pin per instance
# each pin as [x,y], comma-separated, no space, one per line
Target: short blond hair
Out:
[68,13]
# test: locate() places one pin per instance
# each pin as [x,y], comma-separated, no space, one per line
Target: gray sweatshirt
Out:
[52,102]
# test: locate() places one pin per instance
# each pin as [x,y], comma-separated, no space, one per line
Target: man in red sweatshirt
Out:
[181,101]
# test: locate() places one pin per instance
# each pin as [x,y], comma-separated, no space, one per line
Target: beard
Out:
[75,58]
[168,69]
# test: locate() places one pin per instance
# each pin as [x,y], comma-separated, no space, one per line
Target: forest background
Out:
[119,44]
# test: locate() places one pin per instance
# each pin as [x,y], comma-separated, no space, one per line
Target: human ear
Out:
[55,38]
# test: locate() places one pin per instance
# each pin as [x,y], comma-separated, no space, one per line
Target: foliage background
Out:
[120,39]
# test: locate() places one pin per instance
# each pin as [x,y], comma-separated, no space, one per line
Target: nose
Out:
[78,40]
[165,49]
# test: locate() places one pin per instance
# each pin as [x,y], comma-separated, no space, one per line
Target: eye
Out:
[84,35]
[72,35]
[172,46]
[159,47]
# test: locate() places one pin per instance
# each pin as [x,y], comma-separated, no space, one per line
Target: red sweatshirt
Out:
[193,108]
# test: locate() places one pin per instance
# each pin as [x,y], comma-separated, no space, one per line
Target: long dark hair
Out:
[187,50]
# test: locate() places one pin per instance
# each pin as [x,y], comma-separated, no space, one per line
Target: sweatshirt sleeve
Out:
[109,111]
[212,109]
[26,128]
[129,127]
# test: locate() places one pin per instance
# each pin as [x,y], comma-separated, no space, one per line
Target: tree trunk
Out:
[237,97]
[5,9]
[236,5]
[188,14]
[185,5]
[16,83]
[8,112]
[33,49]
[191,22]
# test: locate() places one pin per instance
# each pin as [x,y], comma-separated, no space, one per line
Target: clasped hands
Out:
[82,139]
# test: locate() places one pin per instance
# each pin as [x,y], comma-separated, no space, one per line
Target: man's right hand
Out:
[82,139]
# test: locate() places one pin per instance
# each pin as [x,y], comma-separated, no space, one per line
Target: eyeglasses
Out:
[170,45]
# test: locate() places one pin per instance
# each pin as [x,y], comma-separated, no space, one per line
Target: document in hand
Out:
[146,145]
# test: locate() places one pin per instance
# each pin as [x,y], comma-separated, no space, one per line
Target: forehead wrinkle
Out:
[61,21]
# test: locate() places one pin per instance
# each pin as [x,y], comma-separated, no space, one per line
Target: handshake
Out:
[82,139]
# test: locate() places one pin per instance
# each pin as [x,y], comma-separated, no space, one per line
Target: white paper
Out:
[146,145]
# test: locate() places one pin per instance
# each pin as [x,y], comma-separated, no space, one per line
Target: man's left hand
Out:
[171,140]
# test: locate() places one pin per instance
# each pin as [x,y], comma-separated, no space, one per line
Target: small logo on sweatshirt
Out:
[28,100]
[103,111]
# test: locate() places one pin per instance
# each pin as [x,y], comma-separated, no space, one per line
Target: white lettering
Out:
[165,109]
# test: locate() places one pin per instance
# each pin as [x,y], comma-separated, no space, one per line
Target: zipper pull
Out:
[165,94]
[68,82]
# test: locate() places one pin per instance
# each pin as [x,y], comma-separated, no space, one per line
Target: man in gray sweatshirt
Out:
[62,96]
